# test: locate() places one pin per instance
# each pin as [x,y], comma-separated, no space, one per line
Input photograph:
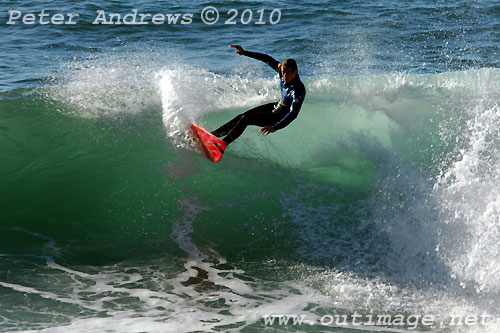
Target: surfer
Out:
[271,116]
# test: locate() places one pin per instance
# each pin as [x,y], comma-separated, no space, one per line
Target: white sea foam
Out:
[106,85]
[189,93]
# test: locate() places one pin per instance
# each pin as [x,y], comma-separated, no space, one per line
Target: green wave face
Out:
[72,159]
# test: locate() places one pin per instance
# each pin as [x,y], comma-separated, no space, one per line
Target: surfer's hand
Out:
[267,129]
[239,49]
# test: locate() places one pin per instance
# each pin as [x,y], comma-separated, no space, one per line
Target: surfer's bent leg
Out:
[260,116]
[229,126]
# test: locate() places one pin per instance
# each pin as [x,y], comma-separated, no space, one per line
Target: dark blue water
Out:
[328,38]
[380,199]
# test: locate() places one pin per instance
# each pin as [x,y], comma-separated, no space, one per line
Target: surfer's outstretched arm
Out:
[273,63]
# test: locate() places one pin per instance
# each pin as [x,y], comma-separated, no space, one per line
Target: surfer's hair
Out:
[289,63]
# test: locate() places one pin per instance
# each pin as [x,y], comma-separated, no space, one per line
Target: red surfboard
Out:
[212,145]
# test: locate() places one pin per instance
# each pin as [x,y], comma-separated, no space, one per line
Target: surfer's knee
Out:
[242,117]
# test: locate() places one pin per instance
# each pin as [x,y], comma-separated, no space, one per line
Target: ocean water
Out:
[377,209]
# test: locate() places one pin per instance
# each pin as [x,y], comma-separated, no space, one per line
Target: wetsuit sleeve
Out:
[265,58]
[298,98]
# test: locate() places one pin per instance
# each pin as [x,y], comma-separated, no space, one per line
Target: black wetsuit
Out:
[277,114]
